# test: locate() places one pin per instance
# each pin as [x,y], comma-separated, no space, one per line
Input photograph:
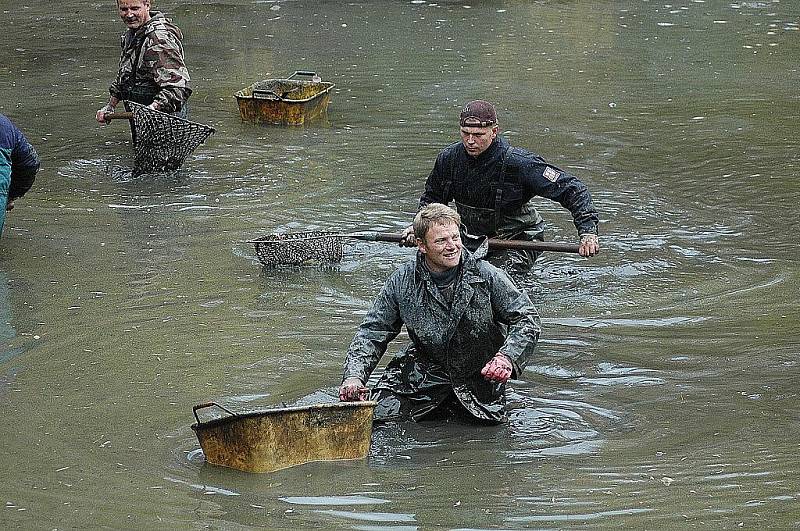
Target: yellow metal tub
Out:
[284,101]
[272,439]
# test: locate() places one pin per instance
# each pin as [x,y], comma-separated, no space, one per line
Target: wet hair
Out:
[143,1]
[434,213]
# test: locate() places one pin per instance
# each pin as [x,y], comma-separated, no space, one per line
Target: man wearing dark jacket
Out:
[471,329]
[493,184]
[18,166]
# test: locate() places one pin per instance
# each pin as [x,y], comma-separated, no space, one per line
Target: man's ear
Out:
[421,246]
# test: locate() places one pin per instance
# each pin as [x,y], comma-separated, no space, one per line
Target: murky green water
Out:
[664,393]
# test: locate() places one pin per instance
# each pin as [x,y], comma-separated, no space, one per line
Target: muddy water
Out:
[664,392]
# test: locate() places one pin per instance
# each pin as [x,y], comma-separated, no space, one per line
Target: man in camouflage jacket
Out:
[152,70]
[471,329]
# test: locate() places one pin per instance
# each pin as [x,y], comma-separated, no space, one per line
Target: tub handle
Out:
[209,404]
[272,95]
[266,94]
[302,73]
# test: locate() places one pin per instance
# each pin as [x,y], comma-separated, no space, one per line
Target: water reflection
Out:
[663,392]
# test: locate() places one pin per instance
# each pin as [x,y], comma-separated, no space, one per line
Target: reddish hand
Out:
[498,369]
[352,390]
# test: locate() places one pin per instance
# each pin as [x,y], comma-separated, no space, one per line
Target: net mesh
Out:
[299,248]
[163,141]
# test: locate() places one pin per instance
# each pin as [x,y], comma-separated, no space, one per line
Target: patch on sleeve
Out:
[551,175]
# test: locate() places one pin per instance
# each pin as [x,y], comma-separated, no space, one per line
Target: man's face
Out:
[134,13]
[477,139]
[441,246]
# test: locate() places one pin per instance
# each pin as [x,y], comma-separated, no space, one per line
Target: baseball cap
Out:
[478,113]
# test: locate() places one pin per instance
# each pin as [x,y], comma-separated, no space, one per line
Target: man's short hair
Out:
[478,113]
[434,213]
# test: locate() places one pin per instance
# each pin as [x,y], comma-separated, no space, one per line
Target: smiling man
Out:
[471,329]
[152,70]
[493,184]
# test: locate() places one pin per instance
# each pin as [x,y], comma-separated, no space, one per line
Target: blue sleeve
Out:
[24,165]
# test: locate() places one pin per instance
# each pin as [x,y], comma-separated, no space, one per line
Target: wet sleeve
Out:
[24,165]
[436,184]
[379,327]
[548,181]
[113,89]
[513,307]
[163,56]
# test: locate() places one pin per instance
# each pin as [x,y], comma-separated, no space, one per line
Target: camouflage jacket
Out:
[450,343]
[151,66]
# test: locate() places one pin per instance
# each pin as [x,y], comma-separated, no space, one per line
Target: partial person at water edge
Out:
[471,329]
[152,70]
[19,164]
[493,185]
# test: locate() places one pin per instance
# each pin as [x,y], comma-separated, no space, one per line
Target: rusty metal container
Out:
[284,101]
[272,439]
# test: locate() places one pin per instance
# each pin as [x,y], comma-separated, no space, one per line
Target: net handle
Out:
[118,116]
[495,244]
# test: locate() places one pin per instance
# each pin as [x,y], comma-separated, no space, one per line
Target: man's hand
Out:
[100,116]
[589,245]
[9,206]
[407,238]
[498,369]
[353,390]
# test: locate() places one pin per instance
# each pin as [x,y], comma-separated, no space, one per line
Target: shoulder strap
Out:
[136,57]
[153,25]
[447,189]
[498,194]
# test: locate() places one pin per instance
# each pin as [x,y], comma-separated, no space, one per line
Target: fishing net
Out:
[299,248]
[163,141]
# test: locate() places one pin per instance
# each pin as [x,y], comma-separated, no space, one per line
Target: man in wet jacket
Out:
[471,329]
[493,184]
[19,163]
[152,70]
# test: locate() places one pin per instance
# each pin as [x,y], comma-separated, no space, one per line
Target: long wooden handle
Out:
[533,245]
[494,243]
[119,116]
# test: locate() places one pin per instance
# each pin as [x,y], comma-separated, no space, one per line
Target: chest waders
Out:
[523,223]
